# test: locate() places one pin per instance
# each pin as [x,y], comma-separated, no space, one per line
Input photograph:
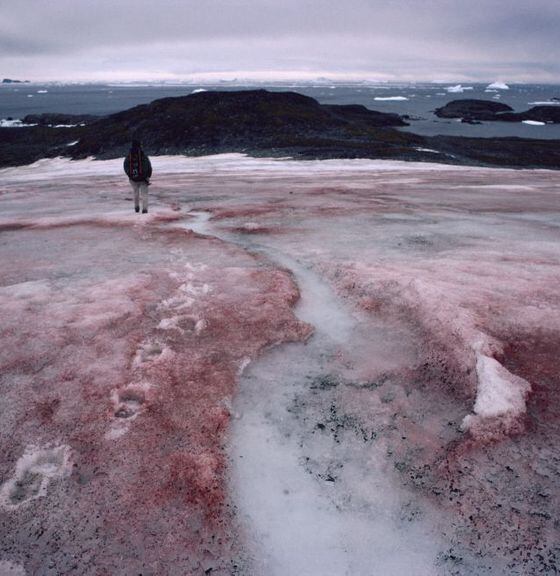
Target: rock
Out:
[471,109]
[547,114]
[486,110]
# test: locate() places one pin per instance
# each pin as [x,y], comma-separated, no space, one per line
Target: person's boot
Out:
[137,209]
[145,211]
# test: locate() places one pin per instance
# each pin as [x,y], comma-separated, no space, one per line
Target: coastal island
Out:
[487,110]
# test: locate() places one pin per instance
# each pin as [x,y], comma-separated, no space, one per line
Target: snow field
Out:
[406,424]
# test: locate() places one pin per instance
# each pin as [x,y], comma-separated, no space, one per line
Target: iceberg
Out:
[497,86]
[458,89]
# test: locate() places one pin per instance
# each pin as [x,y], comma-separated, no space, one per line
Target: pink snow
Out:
[126,339]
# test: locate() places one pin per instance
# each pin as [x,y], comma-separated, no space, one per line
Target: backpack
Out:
[136,168]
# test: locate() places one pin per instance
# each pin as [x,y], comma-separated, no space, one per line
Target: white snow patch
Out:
[143,386]
[243,365]
[177,303]
[198,90]
[499,392]
[10,569]
[42,91]
[200,325]
[497,86]
[427,150]
[32,289]
[220,164]
[391,98]
[190,288]
[34,470]
[545,103]
[169,323]
[534,123]
[251,226]
[116,431]
[72,143]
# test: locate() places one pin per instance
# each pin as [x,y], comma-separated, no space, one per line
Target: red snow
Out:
[144,410]
[123,340]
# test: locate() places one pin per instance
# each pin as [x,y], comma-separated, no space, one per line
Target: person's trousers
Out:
[140,190]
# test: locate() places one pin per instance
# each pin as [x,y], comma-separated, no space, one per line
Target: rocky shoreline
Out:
[262,123]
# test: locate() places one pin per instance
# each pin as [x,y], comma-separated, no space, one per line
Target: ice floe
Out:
[534,122]
[391,98]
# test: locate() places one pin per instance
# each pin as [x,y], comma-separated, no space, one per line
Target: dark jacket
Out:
[137,165]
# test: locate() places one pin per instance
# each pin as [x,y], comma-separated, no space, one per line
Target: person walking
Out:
[138,168]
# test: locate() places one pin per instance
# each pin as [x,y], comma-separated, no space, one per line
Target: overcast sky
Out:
[441,40]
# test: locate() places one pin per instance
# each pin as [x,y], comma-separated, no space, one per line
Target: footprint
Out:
[183,323]
[128,403]
[147,352]
[34,470]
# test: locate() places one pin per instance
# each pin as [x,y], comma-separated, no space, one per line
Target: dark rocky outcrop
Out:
[488,110]
[547,114]
[262,123]
[254,119]
[471,109]
[506,152]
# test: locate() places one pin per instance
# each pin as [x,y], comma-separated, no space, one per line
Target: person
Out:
[138,168]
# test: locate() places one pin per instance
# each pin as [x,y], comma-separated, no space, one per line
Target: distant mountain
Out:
[10,81]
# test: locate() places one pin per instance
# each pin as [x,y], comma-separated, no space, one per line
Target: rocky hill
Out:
[210,121]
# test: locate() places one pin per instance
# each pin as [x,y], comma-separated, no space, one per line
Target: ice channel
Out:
[296,522]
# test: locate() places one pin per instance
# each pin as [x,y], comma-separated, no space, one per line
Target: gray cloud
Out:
[391,38]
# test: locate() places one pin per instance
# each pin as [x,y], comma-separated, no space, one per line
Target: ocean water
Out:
[417,100]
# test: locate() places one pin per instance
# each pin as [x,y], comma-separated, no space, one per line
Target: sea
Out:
[417,100]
